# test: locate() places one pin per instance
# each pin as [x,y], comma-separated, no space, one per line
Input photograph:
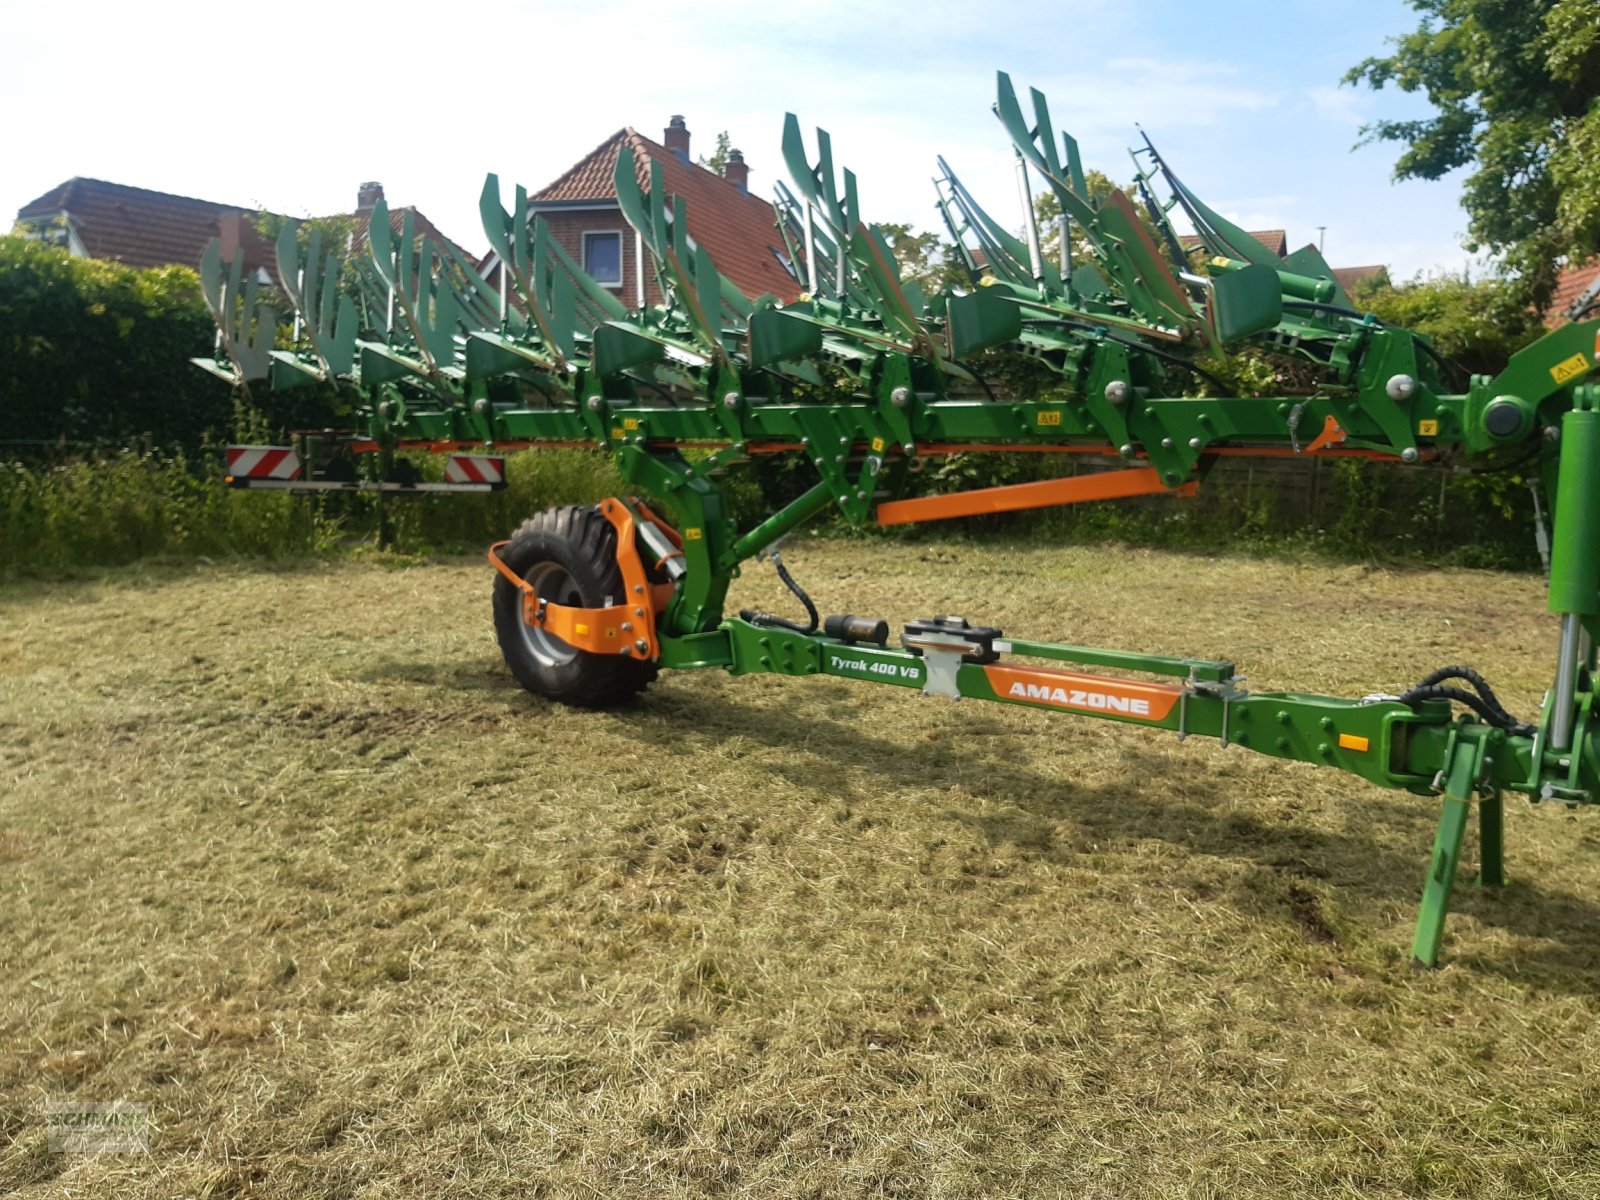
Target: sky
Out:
[289,113]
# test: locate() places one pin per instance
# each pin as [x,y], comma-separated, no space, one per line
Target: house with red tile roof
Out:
[137,227]
[1576,287]
[1275,240]
[142,228]
[740,230]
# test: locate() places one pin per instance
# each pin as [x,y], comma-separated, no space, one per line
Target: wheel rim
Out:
[553,583]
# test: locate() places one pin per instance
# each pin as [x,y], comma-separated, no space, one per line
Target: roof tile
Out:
[740,230]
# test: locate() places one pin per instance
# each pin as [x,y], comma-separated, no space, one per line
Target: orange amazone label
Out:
[1569,368]
[1052,687]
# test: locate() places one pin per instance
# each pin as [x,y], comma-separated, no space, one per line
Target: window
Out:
[602,257]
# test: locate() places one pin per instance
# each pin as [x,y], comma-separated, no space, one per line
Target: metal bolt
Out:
[1195,443]
[626,652]
[627,627]
[1166,443]
[838,458]
[641,645]
[1409,454]
[638,612]
[844,441]
[861,495]
[731,400]
[900,397]
[638,589]
[1117,391]
[1126,449]
[1552,433]
[1400,388]
[805,441]
[480,405]
[594,403]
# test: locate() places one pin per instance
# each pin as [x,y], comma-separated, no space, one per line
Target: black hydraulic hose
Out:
[1441,692]
[982,382]
[1482,700]
[1337,310]
[762,618]
[1472,678]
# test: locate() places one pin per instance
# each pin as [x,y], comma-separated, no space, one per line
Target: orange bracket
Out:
[628,628]
[1331,435]
[1108,485]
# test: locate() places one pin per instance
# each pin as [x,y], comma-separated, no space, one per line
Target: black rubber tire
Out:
[575,548]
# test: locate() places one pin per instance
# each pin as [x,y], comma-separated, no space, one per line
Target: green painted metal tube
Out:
[781,522]
[1575,555]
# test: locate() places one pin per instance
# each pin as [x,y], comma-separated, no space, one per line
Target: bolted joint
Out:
[1400,388]
[731,400]
[595,403]
[1118,391]
[900,397]
[480,405]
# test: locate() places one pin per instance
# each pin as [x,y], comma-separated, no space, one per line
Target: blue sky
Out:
[291,113]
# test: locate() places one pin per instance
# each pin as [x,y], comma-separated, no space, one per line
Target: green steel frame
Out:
[865,376]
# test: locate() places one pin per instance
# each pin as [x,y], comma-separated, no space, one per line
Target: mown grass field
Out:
[286,856]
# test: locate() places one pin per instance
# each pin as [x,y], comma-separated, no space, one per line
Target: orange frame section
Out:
[628,628]
[1108,485]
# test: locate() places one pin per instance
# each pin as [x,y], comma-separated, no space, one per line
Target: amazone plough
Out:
[864,378]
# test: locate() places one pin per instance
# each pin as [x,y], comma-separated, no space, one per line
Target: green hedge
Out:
[94,354]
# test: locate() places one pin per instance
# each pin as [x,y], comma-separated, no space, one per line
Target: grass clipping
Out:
[287,857]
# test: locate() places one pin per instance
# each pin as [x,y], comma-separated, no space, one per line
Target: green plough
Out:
[864,378]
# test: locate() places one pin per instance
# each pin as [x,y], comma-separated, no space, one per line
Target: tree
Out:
[1047,216]
[719,157]
[1475,324]
[925,258]
[1516,89]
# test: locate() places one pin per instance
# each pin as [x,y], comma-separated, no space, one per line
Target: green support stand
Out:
[1464,767]
[1491,842]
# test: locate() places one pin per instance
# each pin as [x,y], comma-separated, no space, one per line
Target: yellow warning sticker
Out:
[877,445]
[630,423]
[616,431]
[1050,416]
[1569,368]
[1427,429]
[692,534]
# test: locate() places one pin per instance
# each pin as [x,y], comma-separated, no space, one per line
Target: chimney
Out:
[676,138]
[736,172]
[367,197]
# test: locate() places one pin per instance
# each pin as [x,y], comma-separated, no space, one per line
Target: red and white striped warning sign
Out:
[475,468]
[263,462]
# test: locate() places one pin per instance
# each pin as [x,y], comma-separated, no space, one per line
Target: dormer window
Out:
[602,257]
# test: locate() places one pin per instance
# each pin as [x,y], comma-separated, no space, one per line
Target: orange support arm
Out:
[1108,485]
[620,629]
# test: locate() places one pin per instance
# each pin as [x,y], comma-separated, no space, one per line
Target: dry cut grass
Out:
[287,857]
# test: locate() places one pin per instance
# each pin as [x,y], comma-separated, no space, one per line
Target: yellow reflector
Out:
[580,629]
[1349,741]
